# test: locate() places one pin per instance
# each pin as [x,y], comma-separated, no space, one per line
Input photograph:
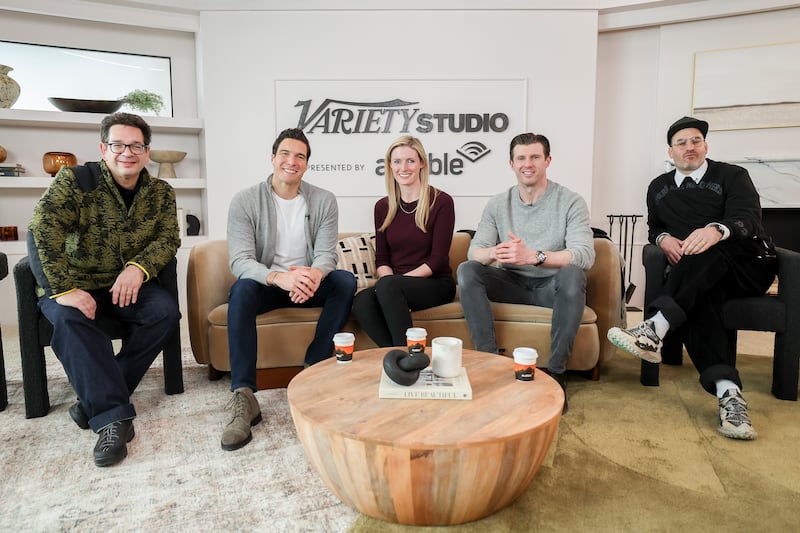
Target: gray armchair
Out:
[777,313]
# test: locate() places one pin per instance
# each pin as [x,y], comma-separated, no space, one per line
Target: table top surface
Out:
[343,398]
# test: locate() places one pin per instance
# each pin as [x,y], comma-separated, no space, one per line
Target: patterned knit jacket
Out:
[86,238]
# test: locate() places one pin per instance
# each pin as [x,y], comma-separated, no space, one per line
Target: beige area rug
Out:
[176,477]
[627,458]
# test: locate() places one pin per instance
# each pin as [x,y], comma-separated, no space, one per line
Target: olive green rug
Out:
[631,458]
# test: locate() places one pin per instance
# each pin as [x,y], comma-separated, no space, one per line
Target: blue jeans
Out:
[104,382]
[249,298]
[564,292]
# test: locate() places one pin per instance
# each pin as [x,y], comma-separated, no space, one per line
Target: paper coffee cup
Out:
[446,356]
[343,344]
[525,363]
[415,339]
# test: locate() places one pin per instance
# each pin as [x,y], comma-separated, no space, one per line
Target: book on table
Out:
[428,386]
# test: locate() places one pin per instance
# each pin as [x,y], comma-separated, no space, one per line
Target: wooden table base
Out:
[425,462]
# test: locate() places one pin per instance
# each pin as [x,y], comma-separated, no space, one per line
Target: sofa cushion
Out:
[356,253]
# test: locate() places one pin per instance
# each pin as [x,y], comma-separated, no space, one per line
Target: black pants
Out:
[692,299]
[384,311]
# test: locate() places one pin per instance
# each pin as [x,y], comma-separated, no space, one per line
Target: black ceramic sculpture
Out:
[403,368]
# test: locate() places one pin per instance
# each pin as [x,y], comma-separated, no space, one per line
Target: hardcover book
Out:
[428,387]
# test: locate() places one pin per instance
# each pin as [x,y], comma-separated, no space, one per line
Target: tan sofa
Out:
[284,334]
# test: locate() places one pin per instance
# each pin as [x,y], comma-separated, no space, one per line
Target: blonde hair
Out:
[393,189]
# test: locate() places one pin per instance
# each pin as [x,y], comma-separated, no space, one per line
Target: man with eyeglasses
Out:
[102,231]
[706,217]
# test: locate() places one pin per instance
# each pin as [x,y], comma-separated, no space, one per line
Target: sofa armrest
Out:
[604,292]
[208,282]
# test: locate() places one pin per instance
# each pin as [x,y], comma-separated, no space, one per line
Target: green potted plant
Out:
[143,101]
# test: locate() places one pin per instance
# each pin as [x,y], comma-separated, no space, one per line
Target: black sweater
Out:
[726,194]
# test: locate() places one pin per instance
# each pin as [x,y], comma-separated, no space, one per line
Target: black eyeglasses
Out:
[119,148]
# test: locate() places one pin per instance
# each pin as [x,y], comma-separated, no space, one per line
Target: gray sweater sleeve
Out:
[250,234]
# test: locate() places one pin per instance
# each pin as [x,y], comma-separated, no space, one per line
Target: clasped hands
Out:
[124,292]
[513,251]
[300,282]
[698,241]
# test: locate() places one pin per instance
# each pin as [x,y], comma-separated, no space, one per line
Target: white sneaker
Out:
[733,420]
[641,341]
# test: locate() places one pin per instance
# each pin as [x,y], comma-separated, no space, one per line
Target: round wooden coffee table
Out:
[424,462]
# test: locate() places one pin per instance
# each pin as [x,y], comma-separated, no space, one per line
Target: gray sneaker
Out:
[244,412]
[641,341]
[733,420]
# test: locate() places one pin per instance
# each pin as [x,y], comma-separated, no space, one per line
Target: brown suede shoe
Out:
[243,412]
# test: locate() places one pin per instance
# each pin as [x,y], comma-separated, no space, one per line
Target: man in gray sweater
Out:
[282,236]
[533,246]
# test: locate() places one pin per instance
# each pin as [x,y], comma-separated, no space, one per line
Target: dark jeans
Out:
[384,311]
[104,382]
[249,298]
[564,292]
[692,299]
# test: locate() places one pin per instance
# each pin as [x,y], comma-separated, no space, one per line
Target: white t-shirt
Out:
[290,249]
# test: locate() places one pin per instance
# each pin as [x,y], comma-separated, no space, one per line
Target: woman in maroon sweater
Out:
[413,230]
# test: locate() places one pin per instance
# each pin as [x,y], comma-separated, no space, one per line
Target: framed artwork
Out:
[748,88]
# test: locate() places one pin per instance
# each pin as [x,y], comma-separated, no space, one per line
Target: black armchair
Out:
[3,390]
[778,313]
[35,332]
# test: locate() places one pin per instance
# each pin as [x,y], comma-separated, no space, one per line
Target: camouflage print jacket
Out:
[86,238]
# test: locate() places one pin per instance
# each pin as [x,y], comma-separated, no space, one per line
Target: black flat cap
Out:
[686,122]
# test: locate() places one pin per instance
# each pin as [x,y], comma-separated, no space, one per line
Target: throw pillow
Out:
[357,254]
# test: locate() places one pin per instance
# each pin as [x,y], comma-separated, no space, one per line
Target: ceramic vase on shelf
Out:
[53,161]
[9,88]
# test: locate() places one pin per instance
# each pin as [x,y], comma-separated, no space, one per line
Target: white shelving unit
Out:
[28,134]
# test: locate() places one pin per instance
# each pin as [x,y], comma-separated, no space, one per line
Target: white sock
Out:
[724,385]
[660,324]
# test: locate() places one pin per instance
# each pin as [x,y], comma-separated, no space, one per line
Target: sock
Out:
[725,385]
[660,324]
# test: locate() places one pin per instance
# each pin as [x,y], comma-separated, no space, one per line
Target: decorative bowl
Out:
[53,161]
[85,106]
[167,156]
[166,160]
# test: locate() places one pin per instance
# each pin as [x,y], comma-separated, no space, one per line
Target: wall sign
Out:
[465,125]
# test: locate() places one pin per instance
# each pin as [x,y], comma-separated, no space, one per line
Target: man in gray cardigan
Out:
[282,235]
[533,246]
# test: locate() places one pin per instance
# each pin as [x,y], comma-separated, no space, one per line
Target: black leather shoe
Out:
[111,446]
[78,415]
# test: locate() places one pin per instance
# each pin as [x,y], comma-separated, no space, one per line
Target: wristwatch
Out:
[541,257]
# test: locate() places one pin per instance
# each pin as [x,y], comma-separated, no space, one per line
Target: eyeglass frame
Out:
[127,147]
[682,143]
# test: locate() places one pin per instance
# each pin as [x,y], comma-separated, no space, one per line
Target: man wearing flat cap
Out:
[706,217]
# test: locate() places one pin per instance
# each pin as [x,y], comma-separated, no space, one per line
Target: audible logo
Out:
[448,164]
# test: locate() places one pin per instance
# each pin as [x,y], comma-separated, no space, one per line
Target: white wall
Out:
[555,51]
[607,145]
[644,83]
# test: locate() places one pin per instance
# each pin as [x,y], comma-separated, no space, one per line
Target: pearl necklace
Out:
[400,203]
